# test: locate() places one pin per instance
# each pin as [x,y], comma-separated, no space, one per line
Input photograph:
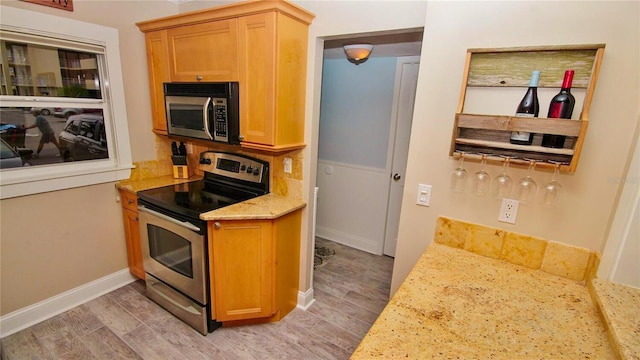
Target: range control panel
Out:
[234,166]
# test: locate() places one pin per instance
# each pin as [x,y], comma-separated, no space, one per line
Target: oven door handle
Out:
[205,118]
[184,224]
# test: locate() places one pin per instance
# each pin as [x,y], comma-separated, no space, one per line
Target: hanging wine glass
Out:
[481,179]
[552,190]
[459,176]
[502,184]
[527,188]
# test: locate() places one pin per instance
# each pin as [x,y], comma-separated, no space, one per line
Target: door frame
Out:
[614,266]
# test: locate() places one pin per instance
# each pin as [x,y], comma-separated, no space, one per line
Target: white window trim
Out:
[38,179]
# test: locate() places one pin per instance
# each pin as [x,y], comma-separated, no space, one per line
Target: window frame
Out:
[45,178]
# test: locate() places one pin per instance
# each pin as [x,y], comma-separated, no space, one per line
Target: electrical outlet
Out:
[509,211]
[287,165]
[424,195]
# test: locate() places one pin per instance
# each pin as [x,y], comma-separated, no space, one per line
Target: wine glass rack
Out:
[490,72]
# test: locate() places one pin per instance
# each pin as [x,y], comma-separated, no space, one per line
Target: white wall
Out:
[355,113]
[583,216]
[355,119]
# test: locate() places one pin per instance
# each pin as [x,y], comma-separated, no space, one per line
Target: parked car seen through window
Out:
[81,136]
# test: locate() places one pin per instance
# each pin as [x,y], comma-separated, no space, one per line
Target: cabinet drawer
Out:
[129,200]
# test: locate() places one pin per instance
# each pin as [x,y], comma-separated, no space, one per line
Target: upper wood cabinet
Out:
[260,44]
[273,59]
[158,66]
[204,52]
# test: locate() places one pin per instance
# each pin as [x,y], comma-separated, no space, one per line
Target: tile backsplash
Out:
[552,257]
[285,184]
[151,168]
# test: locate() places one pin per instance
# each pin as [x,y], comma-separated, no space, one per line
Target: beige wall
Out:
[54,242]
[34,224]
[583,216]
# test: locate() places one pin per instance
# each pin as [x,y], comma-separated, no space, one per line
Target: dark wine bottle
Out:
[528,107]
[561,107]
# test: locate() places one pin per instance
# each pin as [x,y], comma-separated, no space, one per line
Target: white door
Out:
[404,99]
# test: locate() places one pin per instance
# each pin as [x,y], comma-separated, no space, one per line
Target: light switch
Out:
[424,195]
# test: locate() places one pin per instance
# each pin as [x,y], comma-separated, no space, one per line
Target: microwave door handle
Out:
[205,117]
[184,224]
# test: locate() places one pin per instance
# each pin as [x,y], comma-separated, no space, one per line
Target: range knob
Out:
[256,172]
[249,170]
[243,167]
[205,161]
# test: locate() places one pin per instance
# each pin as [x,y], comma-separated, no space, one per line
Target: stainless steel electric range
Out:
[174,238]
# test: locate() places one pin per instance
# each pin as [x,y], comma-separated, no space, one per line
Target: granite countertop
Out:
[620,308]
[152,182]
[457,304]
[264,207]
[268,206]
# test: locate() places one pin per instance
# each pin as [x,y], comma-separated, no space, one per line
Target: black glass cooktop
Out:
[228,179]
[193,198]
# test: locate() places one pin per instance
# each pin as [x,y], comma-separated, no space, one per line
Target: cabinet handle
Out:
[240,137]
[130,201]
[137,218]
[216,225]
[198,77]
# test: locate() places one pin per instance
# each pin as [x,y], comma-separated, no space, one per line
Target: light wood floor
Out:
[351,289]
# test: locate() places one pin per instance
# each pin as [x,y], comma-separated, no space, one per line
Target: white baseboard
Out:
[305,299]
[33,314]
[354,241]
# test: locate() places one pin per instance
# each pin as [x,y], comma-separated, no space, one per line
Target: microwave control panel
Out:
[220,122]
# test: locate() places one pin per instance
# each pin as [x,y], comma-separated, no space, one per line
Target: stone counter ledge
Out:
[456,304]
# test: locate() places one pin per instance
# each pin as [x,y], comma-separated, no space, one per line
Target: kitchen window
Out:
[62,108]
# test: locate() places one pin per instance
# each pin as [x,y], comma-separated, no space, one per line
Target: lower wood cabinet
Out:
[129,203]
[254,267]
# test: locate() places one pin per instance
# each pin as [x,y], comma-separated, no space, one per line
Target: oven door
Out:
[174,252]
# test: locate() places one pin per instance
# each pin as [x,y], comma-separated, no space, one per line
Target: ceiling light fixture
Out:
[358,53]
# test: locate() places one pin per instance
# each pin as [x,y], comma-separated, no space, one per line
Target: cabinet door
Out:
[132,237]
[273,60]
[158,67]
[204,52]
[243,269]
[257,56]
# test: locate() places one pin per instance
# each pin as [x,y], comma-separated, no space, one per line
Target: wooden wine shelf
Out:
[514,123]
[511,67]
[499,159]
[508,146]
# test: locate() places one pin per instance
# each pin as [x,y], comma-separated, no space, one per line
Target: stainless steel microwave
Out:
[208,111]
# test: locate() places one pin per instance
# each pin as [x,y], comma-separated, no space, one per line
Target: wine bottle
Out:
[528,107]
[561,107]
